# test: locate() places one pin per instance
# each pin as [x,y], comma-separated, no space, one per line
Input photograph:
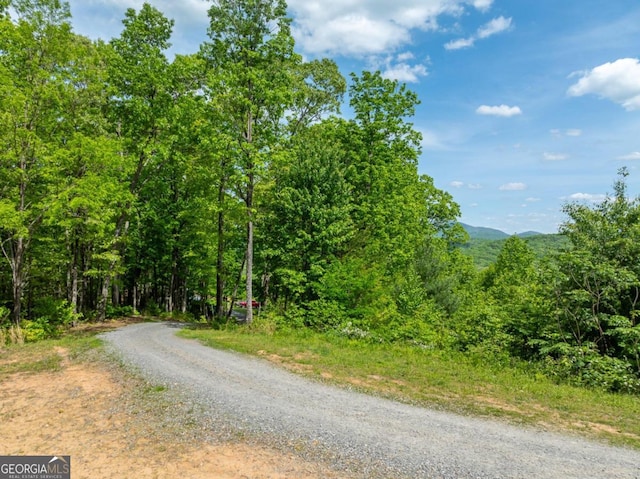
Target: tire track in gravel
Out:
[357,433]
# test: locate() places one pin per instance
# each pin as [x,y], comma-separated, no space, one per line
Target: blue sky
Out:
[526,104]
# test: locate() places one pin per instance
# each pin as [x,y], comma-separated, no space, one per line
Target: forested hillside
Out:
[485,251]
[134,182]
[480,232]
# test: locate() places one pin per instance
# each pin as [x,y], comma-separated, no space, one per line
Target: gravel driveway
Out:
[358,433]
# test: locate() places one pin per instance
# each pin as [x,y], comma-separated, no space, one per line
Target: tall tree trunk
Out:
[122,227]
[134,295]
[266,281]
[249,270]
[18,253]
[115,292]
[175,282]
[249,202]
[183,293]
[17,270]
[73,276]
[219,313]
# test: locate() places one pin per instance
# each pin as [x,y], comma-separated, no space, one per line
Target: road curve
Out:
[372,436]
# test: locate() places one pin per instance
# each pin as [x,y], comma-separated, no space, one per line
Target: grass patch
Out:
[443,379]
[45,355]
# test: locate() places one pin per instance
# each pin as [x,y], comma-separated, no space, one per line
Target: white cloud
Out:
[631,156]
[352,34]
[459,44]
[405,57]
[471,186]
[497,25]
[400,69]
[587,197]
[513,187]
[618,81]
[365,27]
[555,156]
[502,110]
[532,200]
[557,133]
[482,5]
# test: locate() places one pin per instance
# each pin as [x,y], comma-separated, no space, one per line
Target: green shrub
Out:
[37,330]
[55,312]
[293,317]
[324,315]
[423,328]
[119,311]
[152,309]
[584,367]
[51,317]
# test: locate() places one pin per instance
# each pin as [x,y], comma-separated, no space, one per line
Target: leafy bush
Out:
[585,367]
[293,317]
[119,311]
[55,312]
[38,330]
[51,316]
[152,309]
[323,315]
[424,328]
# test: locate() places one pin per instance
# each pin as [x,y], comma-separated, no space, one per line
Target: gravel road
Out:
[360,434]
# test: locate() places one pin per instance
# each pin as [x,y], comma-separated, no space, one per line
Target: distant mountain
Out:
[481,232]
[485,244]
[528,234]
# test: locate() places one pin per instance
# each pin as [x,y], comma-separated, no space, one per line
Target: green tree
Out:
[91,188]
[514,283]
[140,89]
[597,292]
[251,55]
[174,239]
[382,150]
[308,221]
[318,90]
[36,82]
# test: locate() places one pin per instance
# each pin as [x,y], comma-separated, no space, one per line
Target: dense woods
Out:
[134,182]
